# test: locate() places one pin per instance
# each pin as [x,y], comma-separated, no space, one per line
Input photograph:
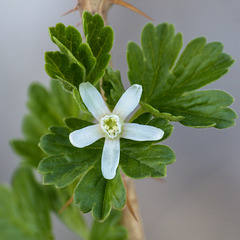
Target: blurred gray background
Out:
[201,196]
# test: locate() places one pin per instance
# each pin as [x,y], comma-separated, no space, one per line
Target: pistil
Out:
[111,125]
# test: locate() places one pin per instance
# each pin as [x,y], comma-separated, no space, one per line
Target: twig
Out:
[131,217]
[66,205]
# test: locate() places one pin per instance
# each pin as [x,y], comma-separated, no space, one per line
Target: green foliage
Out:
[58,66]
[208,107]
[168,85]
[146,119]
[46,108]
[169,82]
[145,159]
[112,86]
[100,41]
[70,215]
[110,229]
[96,193]
[79,62]
[67,164]
[24,211]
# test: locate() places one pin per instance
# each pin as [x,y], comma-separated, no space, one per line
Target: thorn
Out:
[130,208]
[66,205]
[160,180]
[128,202]
[71,10]
[131,7]
[79,24]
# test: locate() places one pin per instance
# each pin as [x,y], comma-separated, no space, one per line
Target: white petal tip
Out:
[110,158]
[138,132]
[83,84]
[137,86]
[71,139]
[128,101]
[159,135]
[85,136]
[109,175]
[93,100]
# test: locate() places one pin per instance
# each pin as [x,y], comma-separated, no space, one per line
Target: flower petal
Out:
[138,132]
[128,102]
[85,136]
[110,157]
[93,100]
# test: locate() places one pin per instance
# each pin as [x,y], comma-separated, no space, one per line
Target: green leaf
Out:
[100,40]
[151,65]
[68,37]
[145,159]
[203,109]
[70,215]
[96,193]
[79,62]
[141,160]
[166,82]
[146,119]
[58,66]
[66,164]
[69,41]
[46,108]
[143,118]
[111,229]
[28,150]
[24,209]
[112,86]
[200,64]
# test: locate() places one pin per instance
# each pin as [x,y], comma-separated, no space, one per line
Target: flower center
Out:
[111,125]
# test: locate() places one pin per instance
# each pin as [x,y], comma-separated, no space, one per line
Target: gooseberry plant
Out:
[79,134]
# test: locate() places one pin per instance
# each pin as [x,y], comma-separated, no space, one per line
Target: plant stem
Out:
[131,217]
[137,114]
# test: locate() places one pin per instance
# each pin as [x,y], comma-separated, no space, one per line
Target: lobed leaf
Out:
[79,62]
[100,41]
[151,65]
[24,211]
[145,159]
[142,161]
[203,109]
[46,108]
[147,119]
[111,229]
[112,86]
[69,41]
[58,198]
[166,82]
[98,194]
[58,66]
[67,164]
[69,37]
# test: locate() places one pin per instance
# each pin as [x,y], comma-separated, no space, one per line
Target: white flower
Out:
[111,125]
